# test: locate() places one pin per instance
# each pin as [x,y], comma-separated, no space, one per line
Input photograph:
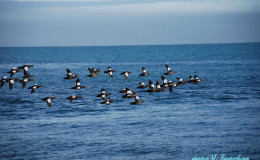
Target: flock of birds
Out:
[128,93]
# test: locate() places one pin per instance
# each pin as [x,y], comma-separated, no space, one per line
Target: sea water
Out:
[220,115]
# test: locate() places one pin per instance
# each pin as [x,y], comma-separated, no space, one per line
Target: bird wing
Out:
[29,66]
[143,70]
[24,84]
[21,67]
[39,86]
[49,103]
[68,71]
[44,99]
[126,77]
[2,84]
[11,74]
[90,70]
[110,73]
[25,73]
[157,84]
[11,86]
[150,82]
[171,88]
[29,80]
[77,81]
[168,68]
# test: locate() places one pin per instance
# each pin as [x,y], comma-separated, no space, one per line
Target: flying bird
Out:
[48,100]
[197,79]
[25,70]
[107,101]
[4,80]
[13,71]
[69,75]
[151,87]
[73,97]
[169,71]
[144,73]
[165,84]
[34,87]
[11,82]
[172,84]
[103,94]
[126,74]
[181,81]
[93,72]
[129,93]
[78,86]
[142,85]
[158,87]
[137,100]
[25,80]
[110,71]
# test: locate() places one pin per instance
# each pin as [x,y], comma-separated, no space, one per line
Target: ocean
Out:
[218,116]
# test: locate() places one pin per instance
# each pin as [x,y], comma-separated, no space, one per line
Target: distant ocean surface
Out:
[220,115]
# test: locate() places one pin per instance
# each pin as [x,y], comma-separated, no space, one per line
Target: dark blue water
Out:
[218,116]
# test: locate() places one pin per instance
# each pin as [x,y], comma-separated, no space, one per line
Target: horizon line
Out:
[127,45]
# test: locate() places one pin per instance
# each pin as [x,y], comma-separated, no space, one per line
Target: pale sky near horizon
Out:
[127,22]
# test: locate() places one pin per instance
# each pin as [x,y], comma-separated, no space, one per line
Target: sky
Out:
[127,22]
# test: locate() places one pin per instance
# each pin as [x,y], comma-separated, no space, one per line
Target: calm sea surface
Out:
[218,116]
